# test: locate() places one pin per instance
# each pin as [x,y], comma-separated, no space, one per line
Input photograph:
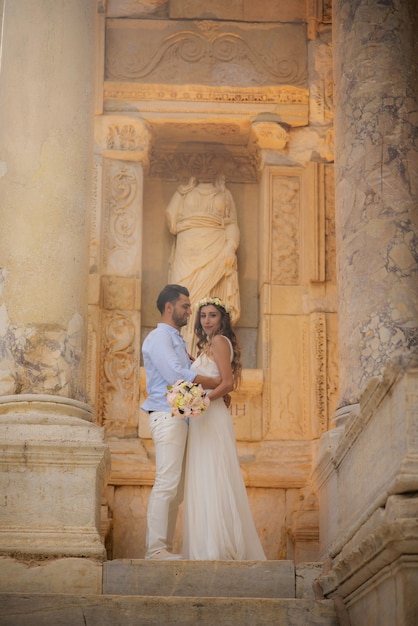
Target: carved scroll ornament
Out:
[205,53]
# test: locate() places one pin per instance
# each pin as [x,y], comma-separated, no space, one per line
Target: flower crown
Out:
[213,300]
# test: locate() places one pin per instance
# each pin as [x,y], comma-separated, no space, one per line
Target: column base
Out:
[53,466]
[33,543]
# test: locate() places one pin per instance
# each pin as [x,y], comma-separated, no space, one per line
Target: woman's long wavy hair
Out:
[226,330]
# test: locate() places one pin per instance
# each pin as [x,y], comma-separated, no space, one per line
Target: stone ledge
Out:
[76,610]
[238,579]
[68,575]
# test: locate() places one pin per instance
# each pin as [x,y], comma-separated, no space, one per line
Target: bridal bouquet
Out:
[187,399]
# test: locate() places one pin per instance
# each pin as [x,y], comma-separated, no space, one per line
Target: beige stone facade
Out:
[200,98]
[143,96]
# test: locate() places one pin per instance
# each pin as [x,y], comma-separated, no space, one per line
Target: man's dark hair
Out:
[170,293]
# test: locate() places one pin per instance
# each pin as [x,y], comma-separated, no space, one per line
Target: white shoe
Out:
[165,555]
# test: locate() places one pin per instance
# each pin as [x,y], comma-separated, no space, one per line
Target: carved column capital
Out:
[268,135]
[123,138]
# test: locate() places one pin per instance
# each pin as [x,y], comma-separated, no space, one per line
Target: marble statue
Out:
[202,216]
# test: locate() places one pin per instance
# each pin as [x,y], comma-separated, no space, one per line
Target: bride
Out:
[218,523]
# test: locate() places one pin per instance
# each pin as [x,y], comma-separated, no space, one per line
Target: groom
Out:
[166,361]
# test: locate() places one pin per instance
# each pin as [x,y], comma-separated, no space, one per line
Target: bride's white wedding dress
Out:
[218,524]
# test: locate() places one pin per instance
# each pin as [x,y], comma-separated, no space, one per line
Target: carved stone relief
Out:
[314,375]
[119,390]
[208,67]
[289,102]
[121,225]
[321,79]
[296,363]
[332,364]
[205,53]
[318,374]
[268,136]
[206,163]
[330,244]
[115,263]
[285,249]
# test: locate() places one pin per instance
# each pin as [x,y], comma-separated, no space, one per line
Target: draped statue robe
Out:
[203,219]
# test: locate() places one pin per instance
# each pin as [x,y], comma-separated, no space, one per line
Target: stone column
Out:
[366,468]
[46,143]
[376,101]
[53,460]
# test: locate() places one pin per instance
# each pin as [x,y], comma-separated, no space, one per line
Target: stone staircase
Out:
[186,593]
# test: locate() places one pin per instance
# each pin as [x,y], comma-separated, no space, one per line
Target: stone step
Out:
[236,579]
[105,610]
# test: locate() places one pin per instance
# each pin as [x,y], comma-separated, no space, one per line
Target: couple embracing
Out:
[197,457]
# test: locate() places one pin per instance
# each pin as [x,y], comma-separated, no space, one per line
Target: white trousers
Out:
[170,436]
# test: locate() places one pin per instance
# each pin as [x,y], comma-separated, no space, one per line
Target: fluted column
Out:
[46,139]
[376,147]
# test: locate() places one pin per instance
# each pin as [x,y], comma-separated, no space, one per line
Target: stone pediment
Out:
[206,68]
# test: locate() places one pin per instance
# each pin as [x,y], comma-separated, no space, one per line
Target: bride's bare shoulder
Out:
[220,342]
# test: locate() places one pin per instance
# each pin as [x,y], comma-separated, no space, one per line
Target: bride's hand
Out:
[227,400]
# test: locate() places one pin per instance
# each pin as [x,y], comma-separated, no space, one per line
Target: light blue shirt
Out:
[166,361]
